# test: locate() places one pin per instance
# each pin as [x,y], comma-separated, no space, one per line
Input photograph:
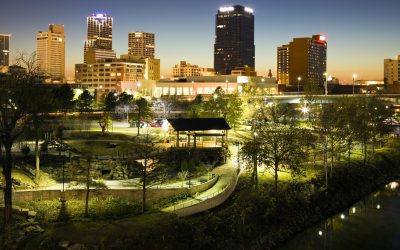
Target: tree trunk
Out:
[349,149]
[276,178]
[87,190]
[144,183]
[7,167]
[37,156]
[255,174]
[365,152]
[332,155]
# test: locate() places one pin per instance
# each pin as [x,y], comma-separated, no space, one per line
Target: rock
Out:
[75,246]
[64,243]
[29,229]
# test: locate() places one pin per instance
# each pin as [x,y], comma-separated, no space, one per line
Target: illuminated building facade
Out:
[234,39]
[99,37]
[391,71]
[4,49]
[303,58]
[107,76]
[141,44]
[50,53]
[184,69]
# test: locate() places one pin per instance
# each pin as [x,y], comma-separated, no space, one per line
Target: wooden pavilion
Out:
[199,127]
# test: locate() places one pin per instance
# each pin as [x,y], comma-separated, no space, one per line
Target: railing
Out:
[194,201]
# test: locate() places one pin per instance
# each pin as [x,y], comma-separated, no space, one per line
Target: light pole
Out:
[326,83]
[298,85]
[138,86]
[165,128]
[226,82]
[354,80]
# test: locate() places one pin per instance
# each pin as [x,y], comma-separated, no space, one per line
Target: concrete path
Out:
[212,197]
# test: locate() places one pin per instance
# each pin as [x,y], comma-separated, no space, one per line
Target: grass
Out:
[108,207]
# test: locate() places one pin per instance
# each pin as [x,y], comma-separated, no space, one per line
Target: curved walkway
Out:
[212,197]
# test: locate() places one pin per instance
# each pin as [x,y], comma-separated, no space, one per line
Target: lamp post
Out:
[298,85]
[326,83]
[354,80]
[165,128]
[226,82]
[138,86]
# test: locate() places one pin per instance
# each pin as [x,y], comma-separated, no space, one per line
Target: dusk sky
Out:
[360,33]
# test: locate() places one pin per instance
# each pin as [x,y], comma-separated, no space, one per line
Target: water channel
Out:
[372,223]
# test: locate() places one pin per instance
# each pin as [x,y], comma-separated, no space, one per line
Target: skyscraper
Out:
[141,44]
[392,71]
[234,39]
[98,45]
[50,52]
[4,49]
[303,61]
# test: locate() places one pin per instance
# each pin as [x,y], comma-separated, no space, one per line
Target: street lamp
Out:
[298,84]
[326,83]
[165,128]
[354,79]
[226,82]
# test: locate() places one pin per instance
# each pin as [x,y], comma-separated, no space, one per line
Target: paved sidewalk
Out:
[227,177]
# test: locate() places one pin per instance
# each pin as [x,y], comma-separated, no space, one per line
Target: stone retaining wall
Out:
[153,194]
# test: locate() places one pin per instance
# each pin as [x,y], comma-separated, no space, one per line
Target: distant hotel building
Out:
[304,58]
[98,45]
[50,53]
[184,69]
[234,39]
[5,49]
[391,71]
[141,44]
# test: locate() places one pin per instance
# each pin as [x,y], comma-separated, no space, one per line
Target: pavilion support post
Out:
[188,139]
[177,139]
[194,140]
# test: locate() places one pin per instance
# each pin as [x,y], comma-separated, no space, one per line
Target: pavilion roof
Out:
[199,124]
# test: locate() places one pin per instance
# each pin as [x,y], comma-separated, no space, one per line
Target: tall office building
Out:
[4,49]
[391,71]
[50,52]
[98,45]
[234,39]
[141,44]
[303,58]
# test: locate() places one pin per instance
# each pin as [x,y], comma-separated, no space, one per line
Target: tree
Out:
[250,155]
[225,106]
[196,107]
[141,112]
[85,101]
[125,102]
[105,122]
[63,97]
[147,166]
[16,102]
[110,101]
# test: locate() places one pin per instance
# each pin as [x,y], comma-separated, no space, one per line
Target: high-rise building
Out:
[4,49]
[141,44]
[304,59]
[50,52]
[99,38]
[391,71]
[234,39]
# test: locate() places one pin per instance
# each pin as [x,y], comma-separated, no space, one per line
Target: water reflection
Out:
[372,223]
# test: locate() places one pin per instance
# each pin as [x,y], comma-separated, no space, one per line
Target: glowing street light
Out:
[305,110]
[354,80]
[298,84]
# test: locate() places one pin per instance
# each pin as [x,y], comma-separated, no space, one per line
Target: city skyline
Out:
[185,31]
